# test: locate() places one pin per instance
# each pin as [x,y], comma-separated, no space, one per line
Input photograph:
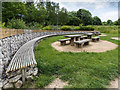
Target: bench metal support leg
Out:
[23,74]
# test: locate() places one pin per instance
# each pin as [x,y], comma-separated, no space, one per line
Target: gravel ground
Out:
[103,34]
[57,83]
[114,83]
[100,46]
[116,38]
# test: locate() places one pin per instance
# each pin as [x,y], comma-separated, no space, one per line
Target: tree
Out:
[96,21]
[117,22]
[85,16]
[72,13]
[109,22]
[52,10]
[74,21]
[12,9]
[63,16]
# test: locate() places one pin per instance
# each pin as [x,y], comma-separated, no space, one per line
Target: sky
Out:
[104,9]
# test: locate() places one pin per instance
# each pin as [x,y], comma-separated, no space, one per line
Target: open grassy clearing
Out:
[81,70]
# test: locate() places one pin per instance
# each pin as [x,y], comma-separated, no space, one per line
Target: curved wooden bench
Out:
[24,57]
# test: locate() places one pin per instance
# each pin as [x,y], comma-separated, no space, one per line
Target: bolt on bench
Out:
[63,41]
[94,39]
[80,44]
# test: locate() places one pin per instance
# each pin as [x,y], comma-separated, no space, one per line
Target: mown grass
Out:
[81,70]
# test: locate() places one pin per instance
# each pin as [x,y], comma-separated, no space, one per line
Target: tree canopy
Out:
[49,13]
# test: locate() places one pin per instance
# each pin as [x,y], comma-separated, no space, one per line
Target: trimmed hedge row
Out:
[66,28]
[84,28]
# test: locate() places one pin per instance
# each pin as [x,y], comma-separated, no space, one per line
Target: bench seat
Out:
[80,43]
[63,41]
[94,39]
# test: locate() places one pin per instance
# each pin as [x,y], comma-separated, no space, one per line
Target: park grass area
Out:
[107,29]
[81,70]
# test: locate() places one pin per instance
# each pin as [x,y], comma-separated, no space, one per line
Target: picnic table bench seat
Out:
[94,39]
[63,41]
[80,43]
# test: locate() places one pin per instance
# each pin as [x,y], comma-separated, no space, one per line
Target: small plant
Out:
[47,28]
[66,28]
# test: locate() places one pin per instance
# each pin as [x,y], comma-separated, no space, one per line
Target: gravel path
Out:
[114,83]
[57,83]
[103,34]
[100,46]
[116,38]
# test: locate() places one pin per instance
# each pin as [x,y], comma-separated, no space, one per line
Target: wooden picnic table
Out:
[89,35]
[73,37]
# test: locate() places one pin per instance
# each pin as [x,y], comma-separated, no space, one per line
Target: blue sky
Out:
[105,9]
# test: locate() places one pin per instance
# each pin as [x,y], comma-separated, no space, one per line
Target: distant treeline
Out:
[46,13]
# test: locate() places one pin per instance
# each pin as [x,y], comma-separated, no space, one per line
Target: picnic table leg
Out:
[72,41]
[98,39]
[63,43]
[77,45]
[89,36]
[77,38]
[87,43]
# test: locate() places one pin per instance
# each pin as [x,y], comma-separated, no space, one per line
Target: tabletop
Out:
[73,36]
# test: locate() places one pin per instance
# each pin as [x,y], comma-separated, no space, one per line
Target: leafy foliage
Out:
[65,28]
[16,24]
[96,21]
[85,16]
[12,9]
[47,28]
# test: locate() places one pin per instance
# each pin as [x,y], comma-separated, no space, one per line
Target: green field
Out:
[81,70]
[107,29]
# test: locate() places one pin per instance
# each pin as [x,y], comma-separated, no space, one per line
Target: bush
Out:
[16,24]
[2,25]
[47,28]
[84,28]
[77,28]
[37,25]
[65,28]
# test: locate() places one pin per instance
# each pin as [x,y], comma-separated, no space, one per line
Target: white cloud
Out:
[86,0]
[112,15]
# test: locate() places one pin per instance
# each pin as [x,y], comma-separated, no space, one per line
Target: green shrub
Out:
[65,28]
[90,28]
[84,28]
[37,25]
[47,28]
[107,29]
[77,28]
[16,24]
[2,25]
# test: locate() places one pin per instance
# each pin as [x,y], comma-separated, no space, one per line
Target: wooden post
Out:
[23,74]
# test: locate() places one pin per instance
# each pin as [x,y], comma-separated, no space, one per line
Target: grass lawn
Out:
[81,70]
